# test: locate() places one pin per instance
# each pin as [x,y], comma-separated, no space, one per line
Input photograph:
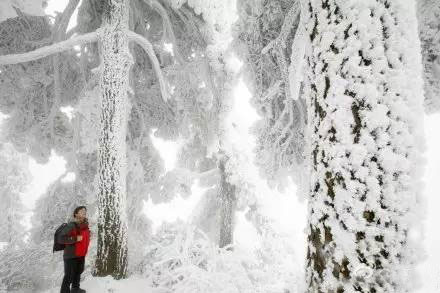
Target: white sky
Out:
[430,269]
[288,212]
[57,6]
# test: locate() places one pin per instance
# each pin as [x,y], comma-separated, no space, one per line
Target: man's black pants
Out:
[73,267]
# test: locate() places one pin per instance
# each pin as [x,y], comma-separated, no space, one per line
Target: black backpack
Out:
[56,245]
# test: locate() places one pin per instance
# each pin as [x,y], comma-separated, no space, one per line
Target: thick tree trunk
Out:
[227,207]
[364,91]
[115,65]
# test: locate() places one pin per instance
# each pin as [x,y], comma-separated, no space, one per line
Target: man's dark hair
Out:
[77,209]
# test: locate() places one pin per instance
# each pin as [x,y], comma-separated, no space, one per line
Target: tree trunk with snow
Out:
[227,206]
[115,65]
[364,92]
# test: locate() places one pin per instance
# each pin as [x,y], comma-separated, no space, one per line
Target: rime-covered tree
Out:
[269,39]
[365,97]
[114,83]
[208,149]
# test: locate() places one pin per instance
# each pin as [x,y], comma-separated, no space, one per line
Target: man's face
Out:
[82,214]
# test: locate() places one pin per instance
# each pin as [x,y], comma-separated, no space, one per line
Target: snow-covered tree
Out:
[115,66]
[33,125]
[200,94]
[365,98]
[269,39]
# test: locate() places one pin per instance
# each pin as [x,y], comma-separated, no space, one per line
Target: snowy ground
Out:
[108,285]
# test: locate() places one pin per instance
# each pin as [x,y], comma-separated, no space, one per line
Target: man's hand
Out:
[79,238]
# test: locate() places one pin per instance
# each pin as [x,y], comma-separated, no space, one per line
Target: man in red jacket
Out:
[76,236]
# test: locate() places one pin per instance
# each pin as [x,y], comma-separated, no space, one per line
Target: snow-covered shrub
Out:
[183,259]
[30,269]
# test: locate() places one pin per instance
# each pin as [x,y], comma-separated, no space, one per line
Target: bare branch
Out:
[70,32]
[61,25]
[206,174]
[271,91]
[48,50]
[148,47]
[59,35]
[168,28]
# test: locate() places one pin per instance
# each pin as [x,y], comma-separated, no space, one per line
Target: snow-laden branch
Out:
[148,47]
[48,50]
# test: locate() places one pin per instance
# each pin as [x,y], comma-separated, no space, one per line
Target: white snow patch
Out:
[69,111]
[167,149]
[69,177]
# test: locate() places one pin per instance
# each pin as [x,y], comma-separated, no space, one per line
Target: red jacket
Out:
[82,246]
[69,235]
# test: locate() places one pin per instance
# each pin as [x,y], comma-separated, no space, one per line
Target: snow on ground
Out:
[108,285]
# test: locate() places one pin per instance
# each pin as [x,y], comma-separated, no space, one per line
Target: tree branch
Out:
[148,48]
[63,21]
[48,50]
[59,35]
[167,26]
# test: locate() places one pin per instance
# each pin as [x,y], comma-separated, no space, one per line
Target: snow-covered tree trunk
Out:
[115,65]
[429,28]
[227,206]
[364,91]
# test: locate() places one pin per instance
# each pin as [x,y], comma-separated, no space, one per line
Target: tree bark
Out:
[227,206]
[114,84]
[364,91]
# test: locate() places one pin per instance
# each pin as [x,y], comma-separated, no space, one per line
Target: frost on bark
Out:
[364,92]
[115,65]
[227,206]
[429,29]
